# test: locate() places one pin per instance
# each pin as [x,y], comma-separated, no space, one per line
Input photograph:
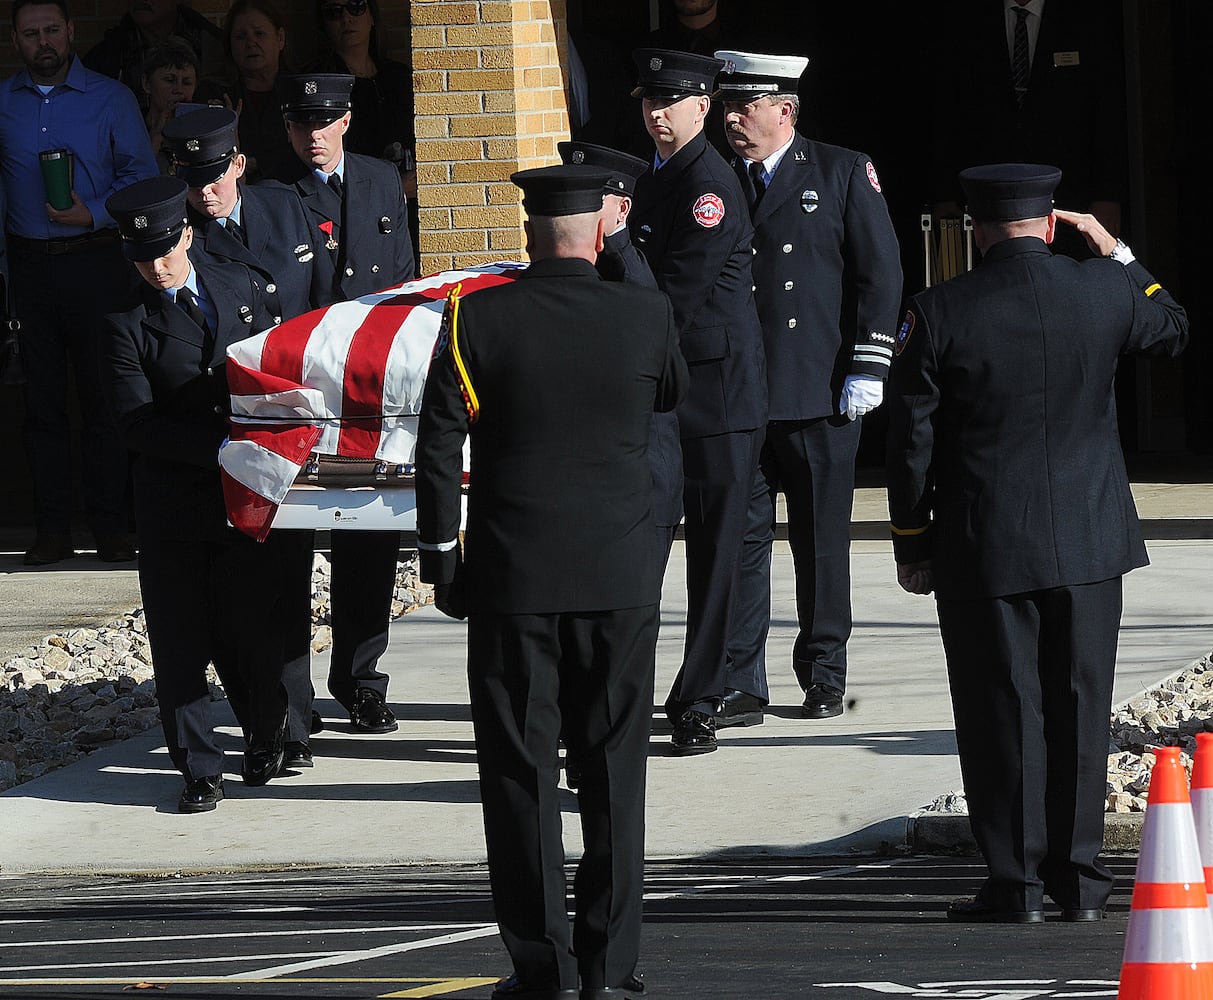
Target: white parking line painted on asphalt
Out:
[715,883]
[144,964]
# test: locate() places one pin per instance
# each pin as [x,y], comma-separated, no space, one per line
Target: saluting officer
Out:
[265,228]
[359,223]
[827,276]
[554,377]
[1008,497]
[210,593]
[621,261]
[690,222]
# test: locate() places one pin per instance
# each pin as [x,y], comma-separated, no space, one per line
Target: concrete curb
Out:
[943,833]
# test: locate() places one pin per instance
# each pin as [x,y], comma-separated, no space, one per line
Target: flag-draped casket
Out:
[344,381]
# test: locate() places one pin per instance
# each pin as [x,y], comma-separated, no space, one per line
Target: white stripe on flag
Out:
[259,469]
[301,405]
[1170,936]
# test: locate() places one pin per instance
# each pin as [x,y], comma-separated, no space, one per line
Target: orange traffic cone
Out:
[1202,805]
[1169,941]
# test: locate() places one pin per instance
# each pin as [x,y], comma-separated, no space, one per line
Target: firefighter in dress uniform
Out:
[210,594]
[266,229]
[827,276]
[359,221]
[690,222]
[554,378]
[1008,498]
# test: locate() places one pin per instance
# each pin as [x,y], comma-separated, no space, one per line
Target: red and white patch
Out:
[872,178]
[709,211]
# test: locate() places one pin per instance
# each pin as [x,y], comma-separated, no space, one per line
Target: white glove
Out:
[860,393]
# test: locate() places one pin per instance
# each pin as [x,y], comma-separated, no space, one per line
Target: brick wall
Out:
[490,100]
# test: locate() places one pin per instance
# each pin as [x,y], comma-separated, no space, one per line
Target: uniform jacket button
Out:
[787,286]
[792,323]
[271,288]
[374,269]
[787,248]
[753,288]
[349,272]
[754,251]
[219,410]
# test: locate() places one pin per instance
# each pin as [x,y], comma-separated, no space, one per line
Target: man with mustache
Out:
[67,271]
[827,277]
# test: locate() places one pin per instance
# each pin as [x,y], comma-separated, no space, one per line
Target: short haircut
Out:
[795,99]
[173,53]
[61,4]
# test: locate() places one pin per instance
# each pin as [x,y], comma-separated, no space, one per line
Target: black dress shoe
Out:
[261,763]
[115,548]
[369,714]
[317,725]
[821,701]
[1081,915]
[694,732]
[513,987]
[201,795]
[572,772]
[631,988]
[976,911]
[49,547]
[737,708]
[295,754]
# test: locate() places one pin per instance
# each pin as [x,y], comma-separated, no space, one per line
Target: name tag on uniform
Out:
[1065,59]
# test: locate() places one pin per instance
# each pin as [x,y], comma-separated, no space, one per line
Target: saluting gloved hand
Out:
[860,393]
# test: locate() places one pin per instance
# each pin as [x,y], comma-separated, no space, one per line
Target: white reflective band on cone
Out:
[1172,937]
[1168,845]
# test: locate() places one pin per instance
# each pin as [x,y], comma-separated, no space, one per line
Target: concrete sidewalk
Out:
[789,787]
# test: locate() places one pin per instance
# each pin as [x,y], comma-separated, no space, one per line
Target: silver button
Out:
[271,288]
[277,320]
[787,286]
[753,288]
[374,269]
[787,248]
[219,410]
[754,251]
[792,323]
[210,371]
[349,272]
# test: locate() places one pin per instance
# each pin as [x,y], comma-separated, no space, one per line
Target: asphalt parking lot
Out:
[834,928]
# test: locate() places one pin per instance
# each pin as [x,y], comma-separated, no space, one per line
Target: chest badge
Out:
[385,225]
[326,227]
[809,201]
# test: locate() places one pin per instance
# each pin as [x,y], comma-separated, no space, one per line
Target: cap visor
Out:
[648,90]
[201,176]
[314,116]
[151,249]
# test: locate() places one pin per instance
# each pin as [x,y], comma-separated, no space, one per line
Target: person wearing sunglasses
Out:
[382,99]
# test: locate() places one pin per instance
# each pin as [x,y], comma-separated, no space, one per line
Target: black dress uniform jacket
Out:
[559,512]
[282,247]
[374,251]
[621,261]
[690,221]
[827,273]
[1005,467]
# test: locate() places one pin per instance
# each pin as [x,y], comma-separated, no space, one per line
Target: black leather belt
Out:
[66,245]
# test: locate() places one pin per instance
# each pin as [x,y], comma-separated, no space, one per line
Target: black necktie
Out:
[756,179]
[336,185]
[1021,65]
[189,305]
[237,230]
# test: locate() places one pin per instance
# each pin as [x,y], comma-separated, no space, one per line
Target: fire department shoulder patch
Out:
[708,211]
[872,178]
[903,332]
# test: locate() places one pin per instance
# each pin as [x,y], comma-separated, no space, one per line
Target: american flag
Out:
[345,380]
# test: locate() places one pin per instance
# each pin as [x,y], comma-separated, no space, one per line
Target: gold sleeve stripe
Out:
[465,380]
[1152,289]
[908,531]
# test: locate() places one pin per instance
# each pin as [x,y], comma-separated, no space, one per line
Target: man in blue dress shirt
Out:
[67,270]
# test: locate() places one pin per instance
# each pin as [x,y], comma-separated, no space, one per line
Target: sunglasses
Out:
[333,11]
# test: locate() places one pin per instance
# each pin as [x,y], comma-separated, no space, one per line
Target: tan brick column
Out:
[491,99]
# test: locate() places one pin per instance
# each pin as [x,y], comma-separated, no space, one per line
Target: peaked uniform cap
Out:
[202,144]
[624,168]
[667,73]
[150,215]
[1009,192]
[316,97]
[562,190]
[750,74]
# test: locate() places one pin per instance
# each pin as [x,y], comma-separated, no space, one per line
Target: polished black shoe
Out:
[821,701]
[261,763]
[736,708]
[317,725]
[976,911]
[296,754]
[631,988]
[49,547]
[1082,915]
[201,795]
[115,548]
[369,714]
[515,988]
[694,732]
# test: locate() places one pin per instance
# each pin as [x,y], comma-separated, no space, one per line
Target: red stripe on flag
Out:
[242,381]
[286,344]
[249,512]
[362,385]
[1169,895]
[472,284]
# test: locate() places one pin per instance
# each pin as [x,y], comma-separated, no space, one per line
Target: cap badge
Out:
[140,221]
[309,88]
[579,156]
[192,145]
[655,64]
[730,67]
